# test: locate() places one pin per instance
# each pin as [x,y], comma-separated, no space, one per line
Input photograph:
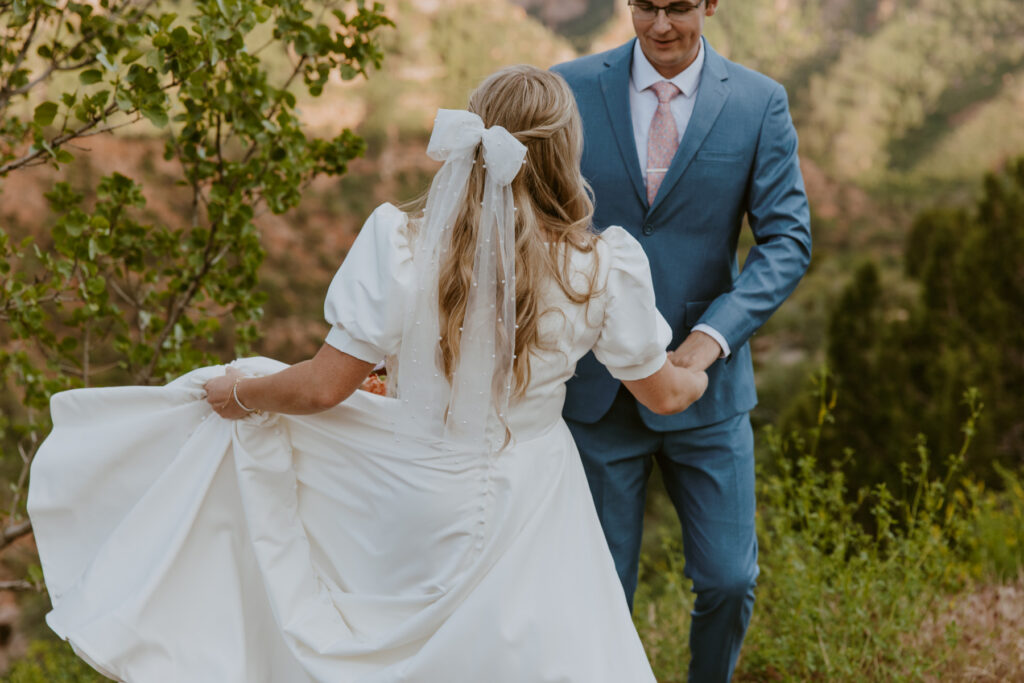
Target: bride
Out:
[290,529]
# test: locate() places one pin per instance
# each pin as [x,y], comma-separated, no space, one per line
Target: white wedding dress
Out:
[340,547]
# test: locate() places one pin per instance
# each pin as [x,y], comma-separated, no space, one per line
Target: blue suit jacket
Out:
[738,157]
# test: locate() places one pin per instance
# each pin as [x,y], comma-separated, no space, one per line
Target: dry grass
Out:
[979,633]
[986,624]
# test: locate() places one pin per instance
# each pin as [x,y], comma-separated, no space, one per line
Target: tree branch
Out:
[20,586]
[127,298]
[177,308]
[8,305]
[277,103]
[109,129]
[5,94]
[26,464]
[57,141]
[55,60]
[85,354]
[14,532]
[34,158]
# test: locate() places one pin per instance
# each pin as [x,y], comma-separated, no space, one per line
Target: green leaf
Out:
[155,60]
[90,76]
[123,100]
[132,55]
[156,116]
[180,36]
[73,227]
[45,113]
[348,72]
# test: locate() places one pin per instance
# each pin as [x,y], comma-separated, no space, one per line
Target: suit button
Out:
[648,229]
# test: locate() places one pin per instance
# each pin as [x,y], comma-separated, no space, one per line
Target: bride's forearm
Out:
[308,387]
[670,390]
[287,391]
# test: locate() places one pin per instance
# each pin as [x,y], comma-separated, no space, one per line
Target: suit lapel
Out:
[615,89]
[711,96]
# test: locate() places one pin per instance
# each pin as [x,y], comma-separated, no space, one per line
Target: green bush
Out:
[835,601]
[50,661]
[995,543]
[901,366]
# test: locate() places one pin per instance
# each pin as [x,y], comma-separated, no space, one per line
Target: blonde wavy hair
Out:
[553,201]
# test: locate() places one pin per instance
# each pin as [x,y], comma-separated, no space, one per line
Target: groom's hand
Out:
[697,352]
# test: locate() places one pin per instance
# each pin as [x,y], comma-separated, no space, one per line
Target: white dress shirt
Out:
[643,103]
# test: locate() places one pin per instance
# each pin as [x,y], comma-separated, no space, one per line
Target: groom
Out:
[681,145]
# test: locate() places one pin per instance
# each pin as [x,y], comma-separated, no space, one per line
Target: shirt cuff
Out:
[343,341]
[713,333]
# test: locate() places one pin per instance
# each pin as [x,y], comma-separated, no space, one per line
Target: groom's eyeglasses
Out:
[677,11]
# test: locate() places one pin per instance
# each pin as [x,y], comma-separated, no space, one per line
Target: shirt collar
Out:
[644,75]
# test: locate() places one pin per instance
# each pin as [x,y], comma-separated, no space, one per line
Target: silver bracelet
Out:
[234,393]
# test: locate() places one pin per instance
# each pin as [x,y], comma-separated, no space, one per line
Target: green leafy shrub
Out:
[995,543]
[901,366]
[835,601]
[49,661]
[110,295]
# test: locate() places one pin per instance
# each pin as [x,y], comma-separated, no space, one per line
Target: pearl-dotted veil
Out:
[468,409]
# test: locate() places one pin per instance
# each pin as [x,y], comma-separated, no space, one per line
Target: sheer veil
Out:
[471,409]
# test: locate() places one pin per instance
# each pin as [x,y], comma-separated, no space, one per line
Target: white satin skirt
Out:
[178,546]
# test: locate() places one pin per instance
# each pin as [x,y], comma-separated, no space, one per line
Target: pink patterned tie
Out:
[663,140]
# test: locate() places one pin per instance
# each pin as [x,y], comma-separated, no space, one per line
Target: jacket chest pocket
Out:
[719,156]
[723,169]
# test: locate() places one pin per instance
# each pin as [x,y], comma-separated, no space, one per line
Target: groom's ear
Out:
[710,7]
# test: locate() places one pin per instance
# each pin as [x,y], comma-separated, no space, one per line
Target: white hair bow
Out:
[457,133]
[471,409]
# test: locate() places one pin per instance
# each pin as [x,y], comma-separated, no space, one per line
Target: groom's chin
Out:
[669,57]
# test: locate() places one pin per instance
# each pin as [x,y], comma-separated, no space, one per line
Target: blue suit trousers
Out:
[709,475]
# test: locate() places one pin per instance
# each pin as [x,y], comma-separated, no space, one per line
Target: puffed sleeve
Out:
[366,300]
[634,336]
